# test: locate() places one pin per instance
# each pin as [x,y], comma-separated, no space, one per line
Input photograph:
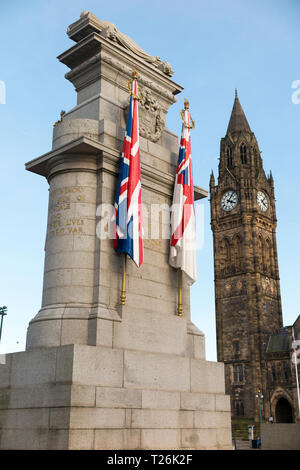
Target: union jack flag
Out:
[294,345]
[183,239]
[128,202]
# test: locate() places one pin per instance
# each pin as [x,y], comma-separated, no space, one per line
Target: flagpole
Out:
[296,370]
[188,123]
[133,91]
[179,306]
[123,289]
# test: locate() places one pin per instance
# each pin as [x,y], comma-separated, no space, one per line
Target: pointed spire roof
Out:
[238,121]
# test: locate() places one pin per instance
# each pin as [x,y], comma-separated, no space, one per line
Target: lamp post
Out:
[3,311]
[236,394]
[260,396]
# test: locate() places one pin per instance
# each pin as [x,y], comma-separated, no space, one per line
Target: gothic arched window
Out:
[239,409]
[243,152]
[267,257]
[274,375]
[229,157]
[235,373]
[227,256]
[241,372]
[238,373]
[237,253]
[260,253]
[286,371]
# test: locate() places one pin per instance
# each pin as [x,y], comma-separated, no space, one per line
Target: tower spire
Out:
[238,121]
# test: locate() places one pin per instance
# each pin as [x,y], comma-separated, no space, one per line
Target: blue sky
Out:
[213,47]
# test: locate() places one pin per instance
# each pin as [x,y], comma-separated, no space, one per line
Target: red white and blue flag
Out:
[294,345]
[128,202]
[183,229]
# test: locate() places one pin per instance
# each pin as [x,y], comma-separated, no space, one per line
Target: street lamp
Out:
[260,397]
[3,311]
[236,394]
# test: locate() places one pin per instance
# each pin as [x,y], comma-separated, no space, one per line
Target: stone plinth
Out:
[97,397]
[96,375]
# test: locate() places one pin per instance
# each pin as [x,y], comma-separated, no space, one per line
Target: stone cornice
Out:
[89,23]
[109,162]
[94,47]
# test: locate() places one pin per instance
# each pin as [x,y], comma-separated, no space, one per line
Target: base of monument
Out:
[96,397]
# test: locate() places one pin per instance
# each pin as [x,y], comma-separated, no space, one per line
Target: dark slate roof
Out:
[279,343]
[238,121]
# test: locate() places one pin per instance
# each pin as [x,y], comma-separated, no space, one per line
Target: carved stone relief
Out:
[151,117]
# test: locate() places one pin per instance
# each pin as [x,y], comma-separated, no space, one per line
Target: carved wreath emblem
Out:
[151,122]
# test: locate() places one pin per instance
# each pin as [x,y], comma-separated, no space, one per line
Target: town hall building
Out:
[251,340]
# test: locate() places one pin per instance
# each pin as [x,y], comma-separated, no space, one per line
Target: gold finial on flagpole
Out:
[179,305]
[134,75]
[123,289]
[188,124]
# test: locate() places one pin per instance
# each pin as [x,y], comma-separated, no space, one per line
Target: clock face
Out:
[262,201]
[229,200]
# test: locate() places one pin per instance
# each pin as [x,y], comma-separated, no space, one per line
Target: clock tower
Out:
[247,286]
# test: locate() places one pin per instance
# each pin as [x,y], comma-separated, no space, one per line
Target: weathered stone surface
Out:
[118,398]
[197,401]
[160,439]
[106,439]
[145,334]
[34,439]
[101,332]
[33,367]
[64,364]
[83,395]
[82,439]
[224,440]
[79,408]
[39,396]
[97,366]
[205,439]
[207,376]
[158,418]
[25,418]
[95,418]
[208,419]
[5,370]
[59,418]
[156,371]
[158,399]
[222,403]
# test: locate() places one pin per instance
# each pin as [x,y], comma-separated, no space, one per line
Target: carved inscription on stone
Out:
[61,219]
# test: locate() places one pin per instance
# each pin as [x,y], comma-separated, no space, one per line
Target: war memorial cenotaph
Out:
[95,374]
